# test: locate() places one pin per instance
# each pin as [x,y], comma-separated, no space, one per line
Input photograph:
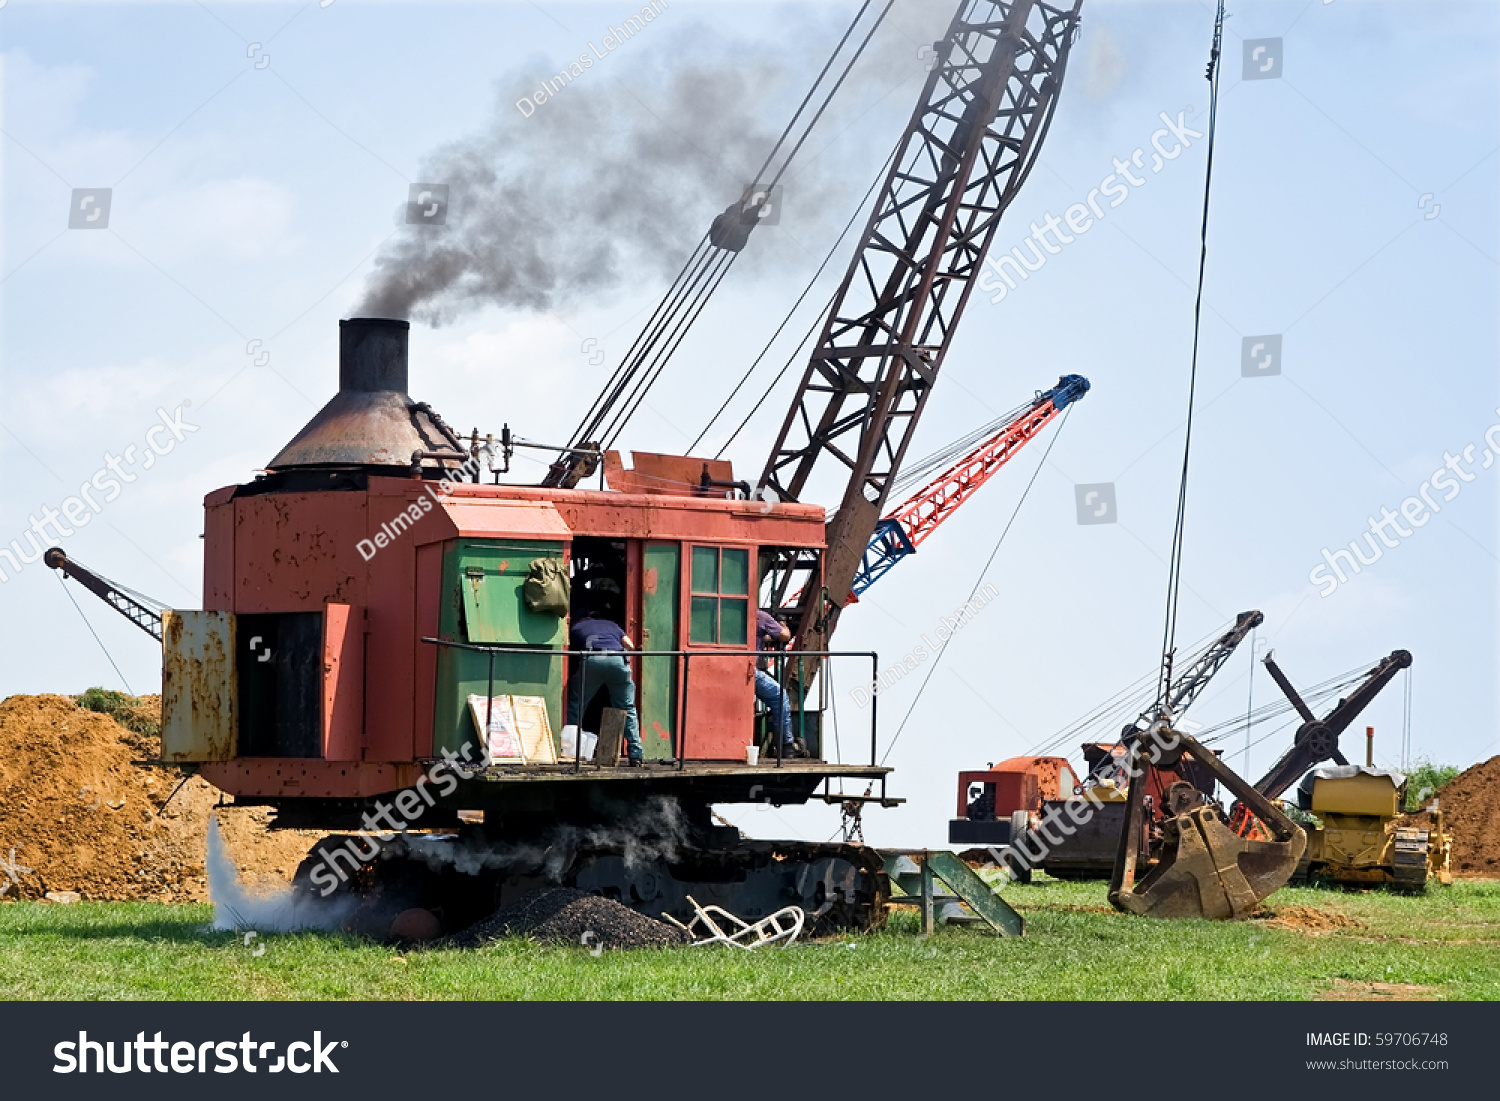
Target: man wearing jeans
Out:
[772,632]
[606,665]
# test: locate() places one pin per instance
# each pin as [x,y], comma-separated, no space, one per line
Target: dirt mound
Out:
[80,817]
[568,916]
[1306,919]
[1471,813]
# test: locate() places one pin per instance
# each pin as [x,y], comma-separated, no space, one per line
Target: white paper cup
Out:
[752,754]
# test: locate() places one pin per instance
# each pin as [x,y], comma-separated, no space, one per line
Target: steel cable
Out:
[680,308]
[787,320]
[68,593]
[938,657]
[1174,574]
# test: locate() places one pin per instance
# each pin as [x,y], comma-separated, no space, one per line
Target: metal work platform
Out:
[791,782]
[800,767]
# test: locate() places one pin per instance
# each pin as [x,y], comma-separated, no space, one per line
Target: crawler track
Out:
[440,885]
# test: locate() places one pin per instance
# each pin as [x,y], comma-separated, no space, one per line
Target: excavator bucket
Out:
[1204,869]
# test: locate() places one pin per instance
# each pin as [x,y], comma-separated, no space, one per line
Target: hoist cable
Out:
[785,321]
[938,657]
[813,88]
[1174,574]
[68,592]
[689,293]
[832,91]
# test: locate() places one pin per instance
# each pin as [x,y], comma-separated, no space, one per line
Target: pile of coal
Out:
[565,915]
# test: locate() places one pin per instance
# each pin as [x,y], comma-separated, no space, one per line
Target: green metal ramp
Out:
[916,871]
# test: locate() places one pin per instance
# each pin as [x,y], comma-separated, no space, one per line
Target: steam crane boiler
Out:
[375,614]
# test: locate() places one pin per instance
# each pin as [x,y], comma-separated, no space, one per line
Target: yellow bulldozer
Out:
[1359,839]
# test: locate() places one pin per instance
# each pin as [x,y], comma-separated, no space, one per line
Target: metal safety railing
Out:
[781,660]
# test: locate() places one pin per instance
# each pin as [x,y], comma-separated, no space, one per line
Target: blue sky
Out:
[1353,215]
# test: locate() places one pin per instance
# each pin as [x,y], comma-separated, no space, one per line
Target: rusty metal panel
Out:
[343,682]
[293,552]
[197,686]
[308,777]
[636,516]
[676,475]
[218,551]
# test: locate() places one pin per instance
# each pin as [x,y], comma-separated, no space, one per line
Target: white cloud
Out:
[98,395]
[46,97]
[241,218]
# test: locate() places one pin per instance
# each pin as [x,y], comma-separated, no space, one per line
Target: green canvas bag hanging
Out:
[546,590]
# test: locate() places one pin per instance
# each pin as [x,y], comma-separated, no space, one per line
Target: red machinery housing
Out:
[344,589]
[997,806]
[993,802]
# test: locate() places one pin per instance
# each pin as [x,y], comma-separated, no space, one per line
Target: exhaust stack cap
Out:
[372,354]
[371,421]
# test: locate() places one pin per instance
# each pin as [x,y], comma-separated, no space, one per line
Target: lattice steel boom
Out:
[970,144]
[146,618]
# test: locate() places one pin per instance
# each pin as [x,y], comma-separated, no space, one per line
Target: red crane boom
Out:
[905,527]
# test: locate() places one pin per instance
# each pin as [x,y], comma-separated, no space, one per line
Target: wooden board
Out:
[501,742]
[534,729]
[611,737]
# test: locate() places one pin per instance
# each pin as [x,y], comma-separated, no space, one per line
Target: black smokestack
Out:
[372,354]
[371,422]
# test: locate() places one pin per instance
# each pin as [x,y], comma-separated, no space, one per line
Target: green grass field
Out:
[1442,945]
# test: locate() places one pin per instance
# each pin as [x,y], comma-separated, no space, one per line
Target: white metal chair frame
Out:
[710,923]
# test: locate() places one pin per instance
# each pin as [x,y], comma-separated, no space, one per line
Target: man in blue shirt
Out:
[608,666]
[771,632]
